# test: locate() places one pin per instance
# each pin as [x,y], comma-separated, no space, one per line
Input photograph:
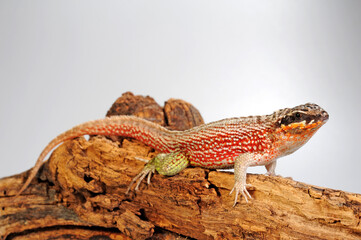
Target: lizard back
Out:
[215,145]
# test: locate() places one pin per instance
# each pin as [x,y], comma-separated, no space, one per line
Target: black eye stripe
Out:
[297,117]
[304,113]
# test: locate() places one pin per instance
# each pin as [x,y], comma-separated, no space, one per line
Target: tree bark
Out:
[79,193]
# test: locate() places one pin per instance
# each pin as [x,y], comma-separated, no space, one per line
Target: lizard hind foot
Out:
[165,164]
[148,170]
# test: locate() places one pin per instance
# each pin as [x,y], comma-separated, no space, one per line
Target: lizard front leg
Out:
[271,168]
[166,164]
[242,162]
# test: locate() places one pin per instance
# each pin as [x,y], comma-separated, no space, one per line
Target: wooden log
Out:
[79,193]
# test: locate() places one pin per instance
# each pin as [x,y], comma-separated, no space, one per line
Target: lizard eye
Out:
[298,115]
[287,120]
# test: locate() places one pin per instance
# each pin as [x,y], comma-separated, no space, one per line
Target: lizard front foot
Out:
[241,188]
[241,164]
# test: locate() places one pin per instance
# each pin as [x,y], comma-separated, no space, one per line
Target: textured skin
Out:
[236,142]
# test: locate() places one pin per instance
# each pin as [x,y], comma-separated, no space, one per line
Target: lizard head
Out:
[295,126]
[303,117]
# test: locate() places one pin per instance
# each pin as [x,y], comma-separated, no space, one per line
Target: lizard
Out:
[229,143]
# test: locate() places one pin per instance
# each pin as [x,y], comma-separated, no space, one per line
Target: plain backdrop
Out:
[65,62]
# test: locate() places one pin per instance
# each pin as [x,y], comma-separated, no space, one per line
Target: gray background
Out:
[65,62]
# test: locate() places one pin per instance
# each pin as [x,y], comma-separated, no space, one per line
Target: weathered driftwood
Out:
[79,193]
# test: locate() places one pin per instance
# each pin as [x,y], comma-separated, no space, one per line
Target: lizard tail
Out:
[61,138]
[147,132]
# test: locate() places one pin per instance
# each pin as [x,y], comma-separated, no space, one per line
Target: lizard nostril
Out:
[324,115]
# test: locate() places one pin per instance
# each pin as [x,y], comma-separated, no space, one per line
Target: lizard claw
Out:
[241,188]
[147,171]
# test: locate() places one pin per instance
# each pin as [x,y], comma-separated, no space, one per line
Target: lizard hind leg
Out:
[166,164]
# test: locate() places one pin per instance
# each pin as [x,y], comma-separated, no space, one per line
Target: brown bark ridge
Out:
[79,193]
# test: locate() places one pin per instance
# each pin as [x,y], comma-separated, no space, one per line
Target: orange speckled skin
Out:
[292,137]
